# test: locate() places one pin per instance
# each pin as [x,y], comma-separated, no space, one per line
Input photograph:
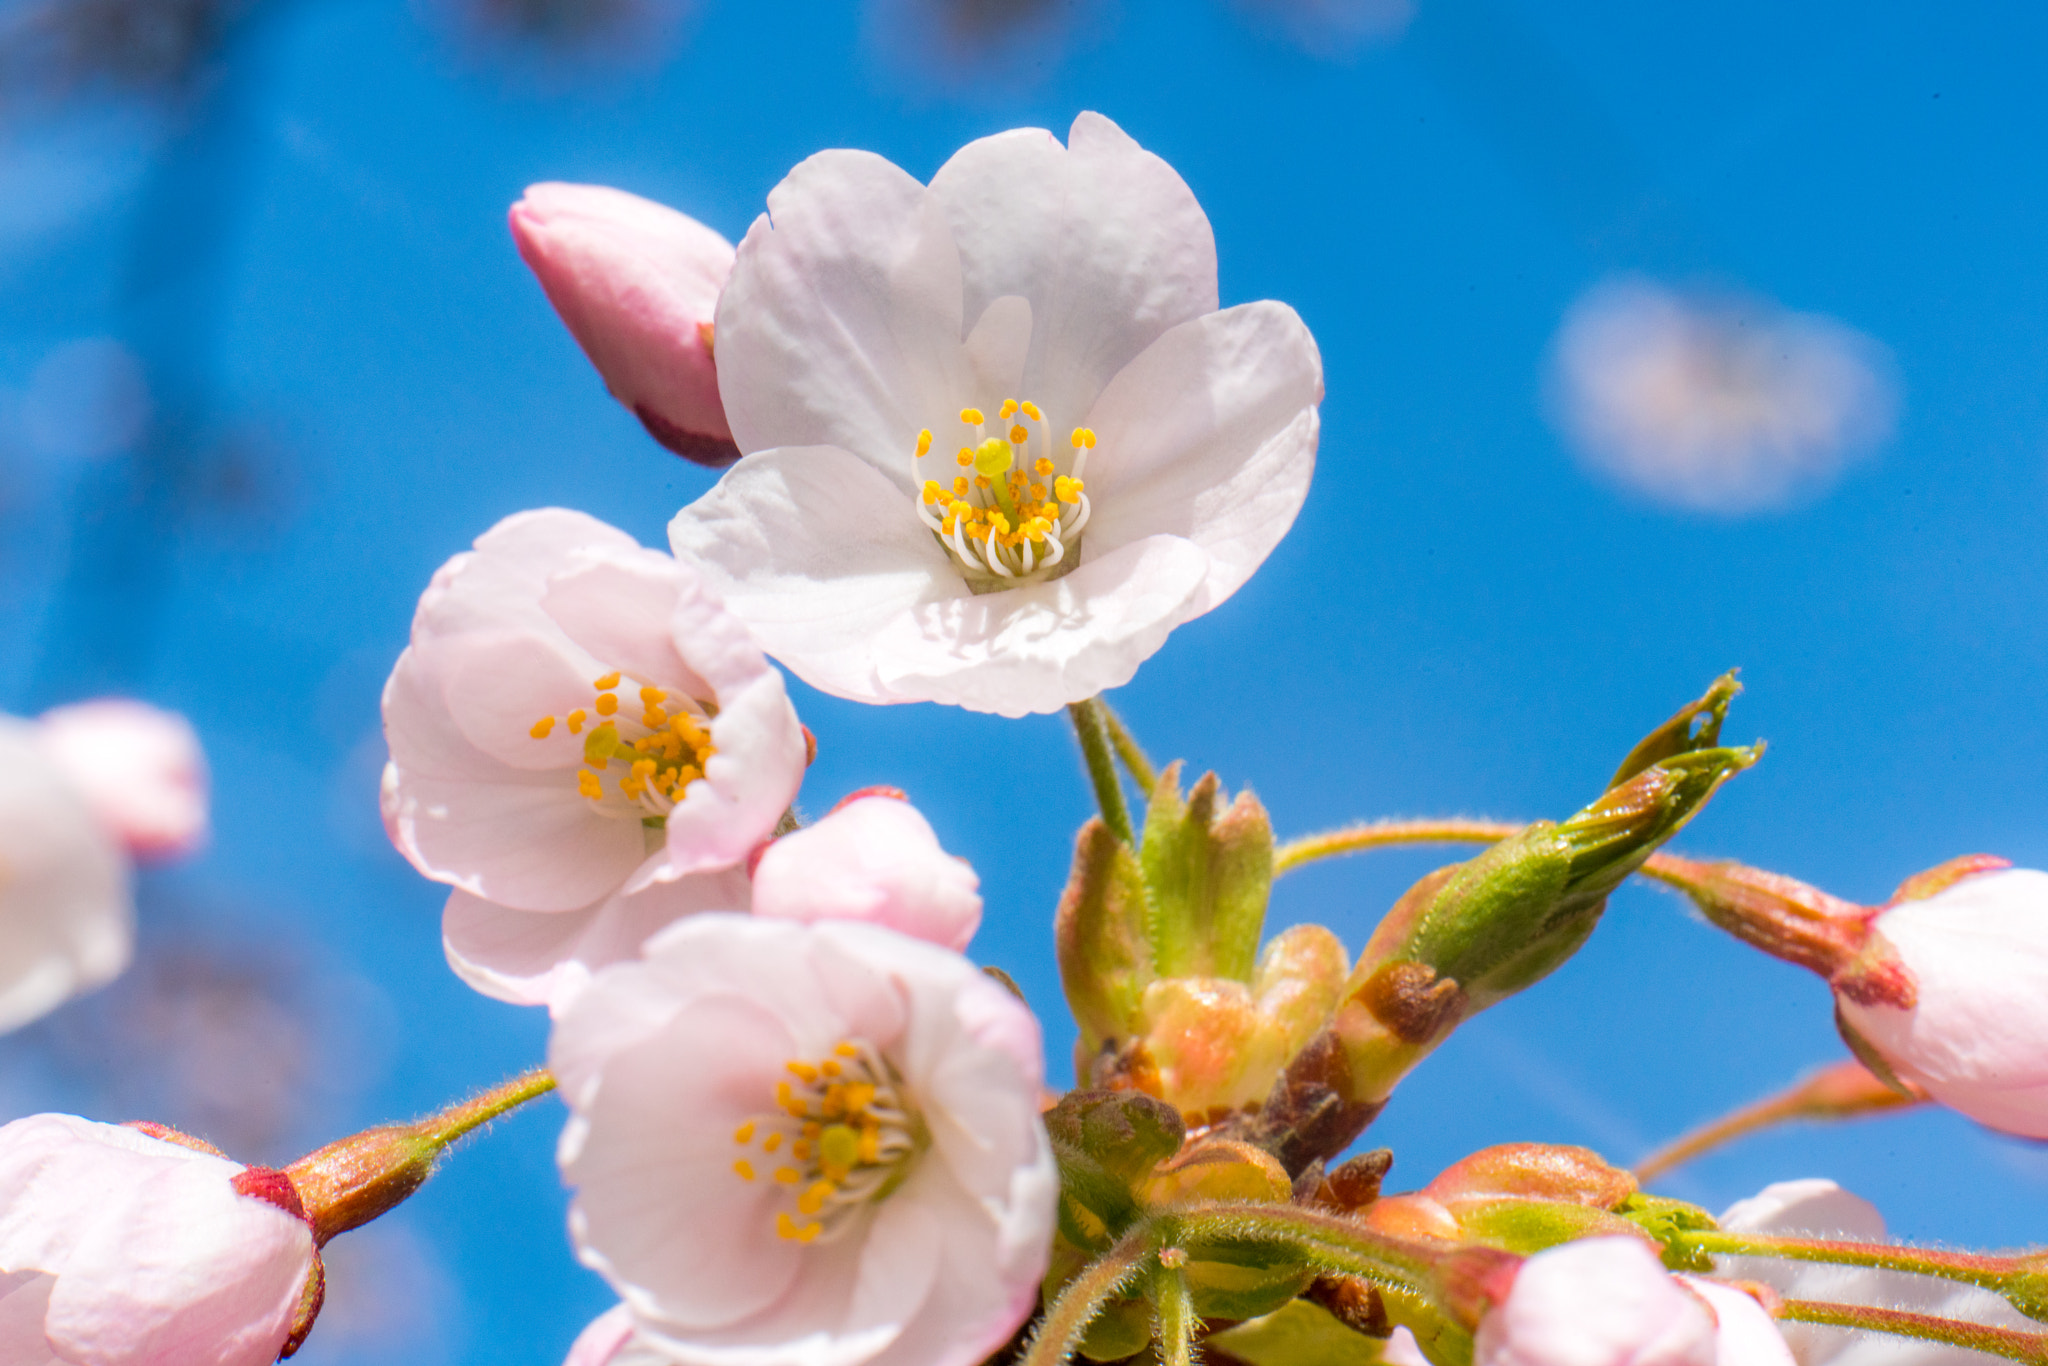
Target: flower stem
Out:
[1352,839]
[1335,1244]
[1067,1319]
[1843,1091]
[1993,1273]
[356,1179]
[1096,751]
[1127,749]
[1175,1306]
[2003,1342]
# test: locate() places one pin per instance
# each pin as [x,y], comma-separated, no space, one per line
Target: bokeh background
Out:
[1659,340]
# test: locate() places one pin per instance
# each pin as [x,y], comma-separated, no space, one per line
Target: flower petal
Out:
[1103,238]
[1037,649]
[139,768]
[875,860]
[817,553]
[547,957]
[1210,435]
[841,323]
[534,846]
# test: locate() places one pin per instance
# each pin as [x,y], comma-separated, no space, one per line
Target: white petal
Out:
[817,553]
[1210,435]
[603,1339]
[875,860]
[546,957]
[841,323]
[139,768]
[1596,1302]
[1744,1334]
[615,605]
[1037,649]
[499,584]
[1103,238]
[535,846]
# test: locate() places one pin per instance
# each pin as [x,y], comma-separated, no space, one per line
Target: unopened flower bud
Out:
[637,283]
[1208,865]
[139,768]
[875,858]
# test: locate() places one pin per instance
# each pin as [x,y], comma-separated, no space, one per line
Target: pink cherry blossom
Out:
[140,769]
[1047,315]
[1597,1302]
[1973,1039]
[1744,1335]
[874,859]
[121,1249]
[67,913]
[807,1144]
[637,284]
[577,717]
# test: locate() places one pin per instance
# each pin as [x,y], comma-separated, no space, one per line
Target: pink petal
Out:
[140,769]
[876,860]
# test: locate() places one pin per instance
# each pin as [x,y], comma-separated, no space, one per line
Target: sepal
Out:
[1208,866]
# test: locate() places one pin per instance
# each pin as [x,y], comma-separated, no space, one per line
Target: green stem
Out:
[1067,1319]
[1971,1268]
[1127,749]
[1337,1244]
[1353,839]
[2002,1342]
[465,1117]
[1177,1324]
[1093,734]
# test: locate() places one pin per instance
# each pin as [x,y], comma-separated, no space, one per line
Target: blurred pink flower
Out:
[123,1249]
[1597,1302]
[1977,956]
[67,914]
[765,1116]
[1035,302]
[139,768]
[637,283]
[577,716]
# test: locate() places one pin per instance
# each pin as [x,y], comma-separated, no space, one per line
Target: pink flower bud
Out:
[637,283]
[140,770]
[1597,1302]
[874,859]
[1972,1037]
[122,1249]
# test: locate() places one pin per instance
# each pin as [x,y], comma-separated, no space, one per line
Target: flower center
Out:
[660,754]
[1009,514]
[842,1137]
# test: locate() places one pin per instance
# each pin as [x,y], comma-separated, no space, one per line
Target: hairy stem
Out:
[2003,1342]
[1335,1244]
[1844,1090]
[1140,768]
[1176,1326]
[1971,1268]
[1084,1298]
[1352,839]
[1096,750]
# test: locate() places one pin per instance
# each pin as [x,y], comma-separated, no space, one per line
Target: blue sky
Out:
[1463,620]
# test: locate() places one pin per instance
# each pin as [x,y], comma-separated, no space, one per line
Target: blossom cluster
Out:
[985,442]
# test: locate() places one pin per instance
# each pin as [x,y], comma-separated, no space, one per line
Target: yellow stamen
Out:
[587,784]
[972,417]
[1041,467]
[924,443]
[744,1169]
[966,456]
[813,1200]
[772,1142]
[610,680]
[576,720]
[607,703]
[1030,410]
[845,1049]
[542,728]
[803,1070]
[652,697]
[788,1176]
[1009,406]
[1018,436]
[745,1133]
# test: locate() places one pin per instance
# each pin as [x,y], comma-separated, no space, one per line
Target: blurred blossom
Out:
[1019,36]
[241,1043]
[59,48]
[389,1298]
[1330,28]
[87,399]
[139,768]
[1719,404]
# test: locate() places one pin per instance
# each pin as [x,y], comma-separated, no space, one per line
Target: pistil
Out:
[1008,515]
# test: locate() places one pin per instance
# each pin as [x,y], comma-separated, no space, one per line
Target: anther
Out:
[972,417]
[1009,406]
[610,680]
[607,703]
[788,1176]
[745,1133]
[924,443]
[743,1169]
[587,784]
[1041,467]
[652,697]
[966,456]
[542,728]
[1019,435]
[1030,410]
[576,720]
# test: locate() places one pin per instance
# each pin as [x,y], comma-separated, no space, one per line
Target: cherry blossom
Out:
[999,439]
[577,717]
[123,1249]
[139,768]
[67,914]
[813,1144]
[637,283]
[874,858]
[1597,1302]
[1976,954]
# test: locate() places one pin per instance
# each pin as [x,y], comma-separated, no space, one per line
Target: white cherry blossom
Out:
[67,912]
[122,1249]
[577,717]
[139,768]
[807,1144]
[1597,1302]
[1977,955]
[999,439]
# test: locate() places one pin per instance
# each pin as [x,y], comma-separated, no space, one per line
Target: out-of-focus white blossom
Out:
[807,1144]
[1718,404]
